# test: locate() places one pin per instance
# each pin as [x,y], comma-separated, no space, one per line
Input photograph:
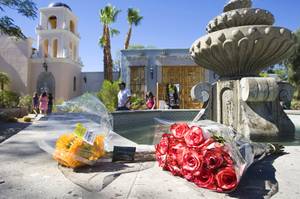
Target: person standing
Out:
[43,103]
[50,103]
[35,104]
[124,96]
[172,96]
[150,100]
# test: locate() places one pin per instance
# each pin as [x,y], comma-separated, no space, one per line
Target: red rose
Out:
[179,130]
[163,145]
[176,151]
[213,158]
[226,179]
[191,161]
[206,179]
[194,137]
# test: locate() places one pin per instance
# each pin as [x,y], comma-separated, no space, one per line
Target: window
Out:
[45,47]
[52,22]
[54,48]
[72,26]
[74,84]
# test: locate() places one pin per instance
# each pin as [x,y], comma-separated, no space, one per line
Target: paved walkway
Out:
[26,171]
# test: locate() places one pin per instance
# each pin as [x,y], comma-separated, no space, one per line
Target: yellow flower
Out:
[72,151]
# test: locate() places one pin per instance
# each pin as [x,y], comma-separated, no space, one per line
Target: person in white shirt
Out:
[124,96]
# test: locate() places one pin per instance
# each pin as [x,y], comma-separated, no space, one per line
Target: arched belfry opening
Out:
[52,22]
[72,26]
[46,47]
[54,48]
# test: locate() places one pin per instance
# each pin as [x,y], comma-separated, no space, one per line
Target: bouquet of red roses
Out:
[208,154]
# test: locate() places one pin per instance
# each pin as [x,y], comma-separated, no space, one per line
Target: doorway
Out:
[183,78]
[46,83]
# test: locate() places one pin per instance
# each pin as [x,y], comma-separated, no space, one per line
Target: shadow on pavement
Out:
[259,181]
[9,129]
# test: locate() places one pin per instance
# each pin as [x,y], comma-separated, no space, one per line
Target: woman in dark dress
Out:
[35,103]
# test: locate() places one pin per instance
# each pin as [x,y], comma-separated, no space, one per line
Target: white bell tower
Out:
[57,33]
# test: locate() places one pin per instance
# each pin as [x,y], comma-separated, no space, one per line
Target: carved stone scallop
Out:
[240,17]
[243,51]
[237,4]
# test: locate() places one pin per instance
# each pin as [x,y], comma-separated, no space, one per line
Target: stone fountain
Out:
[240,43]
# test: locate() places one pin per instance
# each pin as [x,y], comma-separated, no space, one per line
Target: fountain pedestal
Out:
[250,105]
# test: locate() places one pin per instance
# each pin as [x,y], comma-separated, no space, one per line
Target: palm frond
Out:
[133,16]
[102,41]
[114,32]
[109,14]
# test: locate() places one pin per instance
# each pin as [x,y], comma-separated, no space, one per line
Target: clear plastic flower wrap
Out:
[81,139]
[85,142]
[209,154]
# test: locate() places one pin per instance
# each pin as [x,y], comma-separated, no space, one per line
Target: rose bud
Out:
[226,179]
[194,137]
[191,161]
[213,158]
[179,130]
[206,179]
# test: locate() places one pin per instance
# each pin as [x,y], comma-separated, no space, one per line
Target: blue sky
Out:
[166,23]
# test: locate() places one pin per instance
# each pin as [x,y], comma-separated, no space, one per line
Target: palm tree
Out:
[108,15]
[4,80]
[133,17]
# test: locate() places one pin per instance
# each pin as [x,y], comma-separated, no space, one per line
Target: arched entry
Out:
[46,83]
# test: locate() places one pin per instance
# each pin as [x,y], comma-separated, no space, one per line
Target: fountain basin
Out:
[243,51]
[142,129]
[240,17]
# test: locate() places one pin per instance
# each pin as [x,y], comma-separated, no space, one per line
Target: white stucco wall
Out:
[94,81]
[14,60]
[63,73]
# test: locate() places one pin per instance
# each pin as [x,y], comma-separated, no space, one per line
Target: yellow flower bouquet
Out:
[78,148]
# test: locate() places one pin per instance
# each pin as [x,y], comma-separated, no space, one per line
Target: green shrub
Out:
[26,119]
[26,102]
[9,99]
[137,103]
[295,105]
[12,120]
[109,94]
[56,102]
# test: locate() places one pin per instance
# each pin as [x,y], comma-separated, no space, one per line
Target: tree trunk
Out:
[104,54]
[108,56]
[128,37]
